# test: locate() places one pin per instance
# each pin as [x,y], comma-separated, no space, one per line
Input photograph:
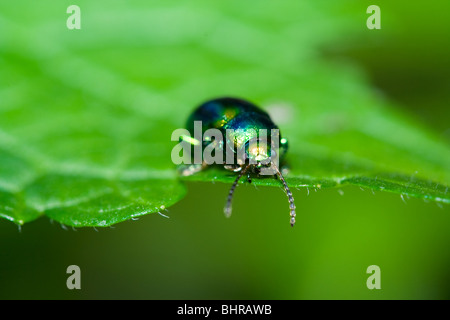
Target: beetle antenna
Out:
[288,193]
[227,209]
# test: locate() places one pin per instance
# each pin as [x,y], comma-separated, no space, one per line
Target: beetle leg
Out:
[233,167]
[190,169]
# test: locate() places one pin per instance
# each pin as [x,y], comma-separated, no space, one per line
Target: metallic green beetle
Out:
[251,151]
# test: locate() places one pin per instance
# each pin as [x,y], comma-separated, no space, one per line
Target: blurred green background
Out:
[198,253]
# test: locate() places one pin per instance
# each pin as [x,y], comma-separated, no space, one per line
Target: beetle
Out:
[251,151]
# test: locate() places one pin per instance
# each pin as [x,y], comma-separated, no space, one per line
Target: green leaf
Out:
[86,115]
